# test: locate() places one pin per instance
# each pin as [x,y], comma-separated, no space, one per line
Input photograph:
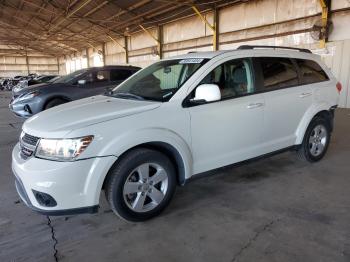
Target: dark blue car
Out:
[79,84]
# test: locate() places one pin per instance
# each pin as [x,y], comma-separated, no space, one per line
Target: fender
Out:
[308,116]
[129,140]
[119,145]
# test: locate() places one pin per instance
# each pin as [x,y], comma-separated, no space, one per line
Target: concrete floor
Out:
[276,209]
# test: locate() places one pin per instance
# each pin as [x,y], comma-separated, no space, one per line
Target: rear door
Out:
[286,100]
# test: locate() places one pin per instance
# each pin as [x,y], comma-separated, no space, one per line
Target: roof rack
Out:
[245,47]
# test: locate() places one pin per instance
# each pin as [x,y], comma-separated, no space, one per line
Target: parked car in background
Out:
[79,84]
[8,83]
[19,82]
[33,81]
[177,118]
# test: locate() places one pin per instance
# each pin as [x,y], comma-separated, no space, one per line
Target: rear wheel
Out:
[141,185]
[54,102]
[316,140]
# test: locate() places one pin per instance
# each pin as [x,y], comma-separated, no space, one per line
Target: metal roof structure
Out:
[59,27]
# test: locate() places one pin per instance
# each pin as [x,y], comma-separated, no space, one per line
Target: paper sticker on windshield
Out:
[191,61]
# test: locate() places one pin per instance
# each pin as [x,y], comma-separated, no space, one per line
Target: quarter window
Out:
[311,72]
[234,78]
[278,73]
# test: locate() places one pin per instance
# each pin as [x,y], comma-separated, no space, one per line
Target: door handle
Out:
[255,105]
[304,95]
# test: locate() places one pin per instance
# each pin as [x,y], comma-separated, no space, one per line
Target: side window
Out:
[97,76]
[120,74]
[233,77]
[278,73]
[311,72]
[102,76]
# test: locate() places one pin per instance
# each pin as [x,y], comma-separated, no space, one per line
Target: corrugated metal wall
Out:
[270,22]
[12,65]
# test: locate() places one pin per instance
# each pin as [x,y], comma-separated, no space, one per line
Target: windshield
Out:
[159,81]
[70,77]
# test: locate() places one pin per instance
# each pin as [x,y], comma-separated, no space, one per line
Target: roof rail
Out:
[245,47]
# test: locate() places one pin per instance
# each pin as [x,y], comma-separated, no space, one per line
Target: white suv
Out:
[172,120]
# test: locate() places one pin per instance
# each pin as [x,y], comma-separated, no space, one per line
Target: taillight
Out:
[339,87]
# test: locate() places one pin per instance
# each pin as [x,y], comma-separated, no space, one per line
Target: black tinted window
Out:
[96,76]
[311,72]
[234,78]
[120,74]
[278,72]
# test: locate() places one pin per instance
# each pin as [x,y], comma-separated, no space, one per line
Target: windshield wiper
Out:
[127,95]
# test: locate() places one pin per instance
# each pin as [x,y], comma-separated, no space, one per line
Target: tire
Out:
[54,102]
[316,140]
[132,190]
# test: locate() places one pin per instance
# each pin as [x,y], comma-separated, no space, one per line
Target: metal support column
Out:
[216,29]
[104,53]
[158,39]
[88,57]
[58,65]
[212,27]
[122,46]
[126,49]
[27,62]
[326,6]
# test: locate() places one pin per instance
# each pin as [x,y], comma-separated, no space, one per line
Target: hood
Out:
[59,121]
[36,87]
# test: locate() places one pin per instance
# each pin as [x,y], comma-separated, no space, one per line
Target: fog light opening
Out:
[44,199]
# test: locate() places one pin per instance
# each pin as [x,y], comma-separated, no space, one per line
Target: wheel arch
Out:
[322,110]
[58,96]
[165,148]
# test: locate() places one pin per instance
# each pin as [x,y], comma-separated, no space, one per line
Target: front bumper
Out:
[26,108]
[75,186]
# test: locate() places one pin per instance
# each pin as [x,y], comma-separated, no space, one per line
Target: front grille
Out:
[30,140]
[25,152]
[28,145]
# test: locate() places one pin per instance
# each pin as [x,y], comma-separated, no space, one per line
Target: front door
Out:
[96,83]
[229,130]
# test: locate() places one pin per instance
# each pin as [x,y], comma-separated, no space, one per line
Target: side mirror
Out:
[207,93]
[81,82]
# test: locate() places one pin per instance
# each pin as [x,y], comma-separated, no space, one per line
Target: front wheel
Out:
[316,140]
[141,185]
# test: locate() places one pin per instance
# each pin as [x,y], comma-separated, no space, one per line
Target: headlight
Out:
[62,149]
[28,95]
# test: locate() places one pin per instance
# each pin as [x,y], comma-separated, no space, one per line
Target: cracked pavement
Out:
[275,209]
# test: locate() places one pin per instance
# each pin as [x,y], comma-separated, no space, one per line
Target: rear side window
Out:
[120,74]
[278,73]
[311,72]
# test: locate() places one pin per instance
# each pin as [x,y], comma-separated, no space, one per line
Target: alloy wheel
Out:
[145,187]
[318,140]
